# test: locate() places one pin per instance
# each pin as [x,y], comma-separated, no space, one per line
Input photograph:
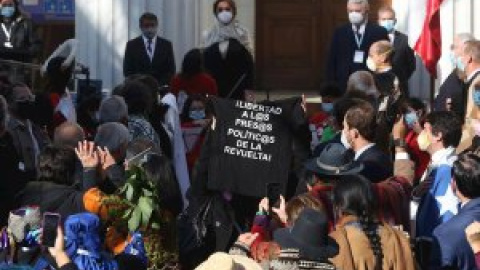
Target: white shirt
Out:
[470,77]
[362,150]
[361,30]
[391,36]
[154,43]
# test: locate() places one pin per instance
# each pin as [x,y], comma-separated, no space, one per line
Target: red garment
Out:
[421,158]
[201,83]
[477,259]
[429,45]
[194,153]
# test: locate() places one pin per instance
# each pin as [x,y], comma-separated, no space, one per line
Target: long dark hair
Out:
[192,64]
[353,195]
[160,170]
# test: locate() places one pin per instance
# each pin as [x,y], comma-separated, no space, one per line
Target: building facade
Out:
[104,26]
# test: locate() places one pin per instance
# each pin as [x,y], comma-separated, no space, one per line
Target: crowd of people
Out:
[378,179]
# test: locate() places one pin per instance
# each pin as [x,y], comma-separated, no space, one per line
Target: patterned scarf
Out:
[221,32]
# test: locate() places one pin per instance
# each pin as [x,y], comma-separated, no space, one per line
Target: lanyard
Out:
[8,33]
[359,40]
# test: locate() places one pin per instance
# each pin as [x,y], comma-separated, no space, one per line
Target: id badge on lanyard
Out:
[8,35]
[359,56]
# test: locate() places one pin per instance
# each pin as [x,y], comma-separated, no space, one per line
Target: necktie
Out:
[149,48]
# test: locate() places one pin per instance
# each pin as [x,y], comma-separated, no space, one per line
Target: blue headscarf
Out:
[136,248]
[83,243]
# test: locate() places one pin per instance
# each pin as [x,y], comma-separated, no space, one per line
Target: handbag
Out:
[193,226]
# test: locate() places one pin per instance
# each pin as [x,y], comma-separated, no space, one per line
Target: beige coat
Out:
[356,253]
[471,112]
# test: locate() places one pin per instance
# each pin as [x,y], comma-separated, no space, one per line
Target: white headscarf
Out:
[221,32]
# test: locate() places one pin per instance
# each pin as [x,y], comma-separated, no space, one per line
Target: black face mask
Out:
[25,109]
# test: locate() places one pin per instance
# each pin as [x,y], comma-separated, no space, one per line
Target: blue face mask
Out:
[476,97]
[460,65]
[197,114]
[8,11]
[389,25]
[410,119]
[327,107]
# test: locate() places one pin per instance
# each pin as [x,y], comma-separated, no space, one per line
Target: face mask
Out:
[150,32]
[460,65]
[453,60]
[327,107]
[355,17]
[389,25]
[197,114]
[423,141]
[344,141]
[371,64]
[411,119]
[225,17]
[8,11]
[476,97]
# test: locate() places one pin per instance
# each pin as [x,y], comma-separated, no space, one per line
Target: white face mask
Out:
[344,141]
[371,64]
[225,17]
[355,17]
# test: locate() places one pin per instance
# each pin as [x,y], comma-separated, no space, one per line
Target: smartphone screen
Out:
[50,225]
[273,193]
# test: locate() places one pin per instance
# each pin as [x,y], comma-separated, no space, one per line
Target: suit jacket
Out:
[24,144]
[342,50]
[452,88]
[136,61]
[377,165]
[404,62]
[451,248]
[472,112]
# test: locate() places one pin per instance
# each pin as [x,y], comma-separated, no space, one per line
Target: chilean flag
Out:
[429,44]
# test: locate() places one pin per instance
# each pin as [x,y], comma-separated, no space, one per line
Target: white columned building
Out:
[104,26]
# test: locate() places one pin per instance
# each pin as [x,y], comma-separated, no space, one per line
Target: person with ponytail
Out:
[365,243]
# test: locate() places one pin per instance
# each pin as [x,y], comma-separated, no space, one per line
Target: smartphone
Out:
[51,222]
[274,190]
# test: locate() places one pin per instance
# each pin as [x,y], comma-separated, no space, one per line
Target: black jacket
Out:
[25,43]
[228,71]
[453,88]
[377,165]
[12,180]
[342,50]
[51,197]
[404,62]
[136,60]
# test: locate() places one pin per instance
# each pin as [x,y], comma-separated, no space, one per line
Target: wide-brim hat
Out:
[224,261]
[334,161]
[309,235]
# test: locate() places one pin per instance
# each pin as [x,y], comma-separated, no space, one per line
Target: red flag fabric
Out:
[429,45]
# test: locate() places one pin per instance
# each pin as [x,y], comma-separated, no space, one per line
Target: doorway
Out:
[293,40]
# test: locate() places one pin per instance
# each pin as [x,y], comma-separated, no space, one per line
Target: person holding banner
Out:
[227,54]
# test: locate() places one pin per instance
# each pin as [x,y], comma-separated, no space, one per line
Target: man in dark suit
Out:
[358,134]
[404,62]
[451,95]
[351,43]
[451,249]
[149,54]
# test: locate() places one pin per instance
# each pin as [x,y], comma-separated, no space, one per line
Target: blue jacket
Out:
[451,248]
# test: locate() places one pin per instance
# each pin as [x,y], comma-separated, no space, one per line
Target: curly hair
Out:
[56,164]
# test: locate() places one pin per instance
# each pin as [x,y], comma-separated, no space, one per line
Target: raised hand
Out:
[106,159]
[281,212]
[87,155]
[247,238]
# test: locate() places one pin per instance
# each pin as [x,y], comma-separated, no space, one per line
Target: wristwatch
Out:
[400,143]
